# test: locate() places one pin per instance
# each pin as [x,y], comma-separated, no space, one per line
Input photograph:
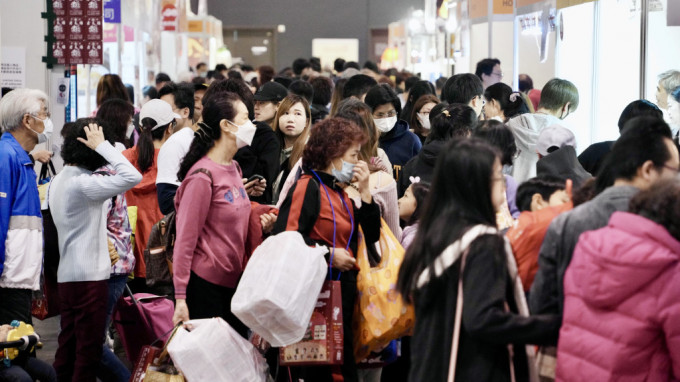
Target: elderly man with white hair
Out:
[25,122]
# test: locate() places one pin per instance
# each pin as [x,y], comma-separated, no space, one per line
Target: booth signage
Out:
[112,11]
[478,8]
[78,32]
[169,15]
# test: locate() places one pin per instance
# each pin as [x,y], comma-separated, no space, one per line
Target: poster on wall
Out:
[78,31]
[13,67]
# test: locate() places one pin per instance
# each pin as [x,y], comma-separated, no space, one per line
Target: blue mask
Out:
[345,174]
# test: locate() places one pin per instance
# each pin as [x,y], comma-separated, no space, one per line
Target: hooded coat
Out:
[400,145]
[622,306]
[526,128]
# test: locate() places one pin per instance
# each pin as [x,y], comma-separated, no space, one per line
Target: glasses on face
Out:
[389,114]
[43,114]
[497,74]
[676,170]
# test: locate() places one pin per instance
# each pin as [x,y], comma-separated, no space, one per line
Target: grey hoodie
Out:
[526,128]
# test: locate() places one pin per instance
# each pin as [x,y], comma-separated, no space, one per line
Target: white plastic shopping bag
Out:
[214,351]
[277,293]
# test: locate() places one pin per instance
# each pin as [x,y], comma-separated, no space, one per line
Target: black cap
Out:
[271,91]
[200,86]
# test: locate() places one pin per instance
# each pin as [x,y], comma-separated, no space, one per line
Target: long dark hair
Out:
[499,135]
[420,191]
[145,148]
[509,104]
[456,120]
[452,206]
[215,110]
[117,113]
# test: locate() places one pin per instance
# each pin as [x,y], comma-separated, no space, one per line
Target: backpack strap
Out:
[206,172]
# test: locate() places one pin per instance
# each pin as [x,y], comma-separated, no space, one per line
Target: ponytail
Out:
[511,102]
[515,106]
[214,111]
[145,148]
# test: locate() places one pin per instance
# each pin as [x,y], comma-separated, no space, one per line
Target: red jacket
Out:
[527,236]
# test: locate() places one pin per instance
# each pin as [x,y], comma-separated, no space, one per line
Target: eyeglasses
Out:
[45,113]
[672,168]
[499,75]
[389,114]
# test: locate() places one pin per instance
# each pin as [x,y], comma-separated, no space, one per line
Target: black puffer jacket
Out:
[422,165]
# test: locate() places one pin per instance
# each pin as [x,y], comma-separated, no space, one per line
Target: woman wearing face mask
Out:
[419,120]
[395,138]
[318,207]
[213,210]
[291,124]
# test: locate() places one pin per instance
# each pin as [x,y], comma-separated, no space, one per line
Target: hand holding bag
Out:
[214,351]
[380,314]
[279,287]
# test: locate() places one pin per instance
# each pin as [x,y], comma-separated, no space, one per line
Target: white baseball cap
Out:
[159,111]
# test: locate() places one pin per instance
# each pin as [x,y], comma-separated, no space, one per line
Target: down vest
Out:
[622,306]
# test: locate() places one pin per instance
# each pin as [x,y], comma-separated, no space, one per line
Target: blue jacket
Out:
[400,145]
[21,239]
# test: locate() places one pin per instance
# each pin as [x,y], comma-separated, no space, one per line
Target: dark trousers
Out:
[207,300]
[31,369]
[83,318]
[15,304]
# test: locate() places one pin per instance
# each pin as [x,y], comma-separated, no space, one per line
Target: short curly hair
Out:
[75,152]
[660,204]
[330,139]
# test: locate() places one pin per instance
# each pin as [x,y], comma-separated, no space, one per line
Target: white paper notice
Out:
[13,67]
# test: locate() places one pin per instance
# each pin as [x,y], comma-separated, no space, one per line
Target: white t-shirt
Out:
[171,154]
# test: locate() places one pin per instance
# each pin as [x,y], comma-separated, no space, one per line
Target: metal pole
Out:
[644,18]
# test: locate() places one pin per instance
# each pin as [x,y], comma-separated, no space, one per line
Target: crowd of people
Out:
[523,260]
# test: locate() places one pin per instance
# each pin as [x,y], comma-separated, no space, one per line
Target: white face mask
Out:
[47,131]
[385,124]
[244,134]
[424,121]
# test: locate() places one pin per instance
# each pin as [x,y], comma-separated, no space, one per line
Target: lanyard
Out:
[351,219]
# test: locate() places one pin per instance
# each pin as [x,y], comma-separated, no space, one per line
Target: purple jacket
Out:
[622,305]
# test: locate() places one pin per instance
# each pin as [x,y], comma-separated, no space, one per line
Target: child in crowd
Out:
[540,200]
[410,206]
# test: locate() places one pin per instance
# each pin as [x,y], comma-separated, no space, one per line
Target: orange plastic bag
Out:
[380,314]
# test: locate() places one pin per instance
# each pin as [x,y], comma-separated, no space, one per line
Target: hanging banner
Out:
[570,3]
[112,11]
[478,8]
[169,15]
[524,3]
[78,32]
[502,7]
[673,13]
